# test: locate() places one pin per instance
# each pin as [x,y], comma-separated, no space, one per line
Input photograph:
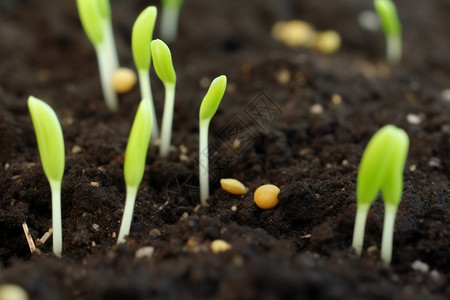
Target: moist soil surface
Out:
[295,118]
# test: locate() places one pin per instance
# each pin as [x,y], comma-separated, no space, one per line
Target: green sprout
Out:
[381,169]
[141,38]
[162,61]
[392,28]
[169,19]
[208,109]
[134,164]
[95,16]
[50,142]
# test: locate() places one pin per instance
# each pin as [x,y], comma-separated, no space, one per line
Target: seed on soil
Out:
[93,244]
[220,246]
[155,232]
[328,42]
[412,168]
[95,184]
[283,76]
[114,235]
[12,292]
[144,252]
[336,99]
[294,33]
[234,208]
[95,227]
[236,144]
[123,80]
[183,149]
[233,186]
[371,249]
[266,196]
[6,166]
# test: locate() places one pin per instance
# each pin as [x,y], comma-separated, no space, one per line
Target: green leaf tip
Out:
[137,146]
[162,61]
[105,8]
[381,167]
[141,37]
[49,138]
[212,99]
[387,13]
[91,20]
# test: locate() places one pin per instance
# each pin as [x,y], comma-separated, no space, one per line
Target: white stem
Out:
[146,93]
[169,23]
[110,45]
[166,129]
[55,187]
[104,65]
[393,49]
[203,162]
[390,212]
[360,225]
[127,214]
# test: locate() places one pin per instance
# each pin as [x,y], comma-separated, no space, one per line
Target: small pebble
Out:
[12,292]
[234,208]
[328,42]
[445,95]
[6,166]
[316,109]
[95,227]
[369,20]
[412,168]
[371,249]
[233,186]
[183,149]
[144,252]
[418,265]
[434,162]
[76,149]
[266,196]
[95,184]
[219,246]
[124,80]
[413,119]
[155,232]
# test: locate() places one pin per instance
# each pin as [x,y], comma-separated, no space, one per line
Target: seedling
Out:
[381,169]
[50,142]
[141,38]
[169,19]
[387,12]
[95,16]
[208,109]
[134,164]
[162,61]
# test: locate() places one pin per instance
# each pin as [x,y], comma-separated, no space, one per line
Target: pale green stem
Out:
[390,212]
[360,226]
[104,64]
[55,187]
[127,214]
[110,45]
[166,129]
[169,22]
[393,48]
[203,162]
[146,93]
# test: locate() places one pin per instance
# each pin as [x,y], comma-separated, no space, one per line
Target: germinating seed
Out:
[233,186]
[124,80]
[266,196]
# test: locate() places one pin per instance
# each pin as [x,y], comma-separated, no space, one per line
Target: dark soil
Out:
[300,249]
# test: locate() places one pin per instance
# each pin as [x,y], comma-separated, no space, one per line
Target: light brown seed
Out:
[123,80]
[220,246]
[233,186]
[266,196]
